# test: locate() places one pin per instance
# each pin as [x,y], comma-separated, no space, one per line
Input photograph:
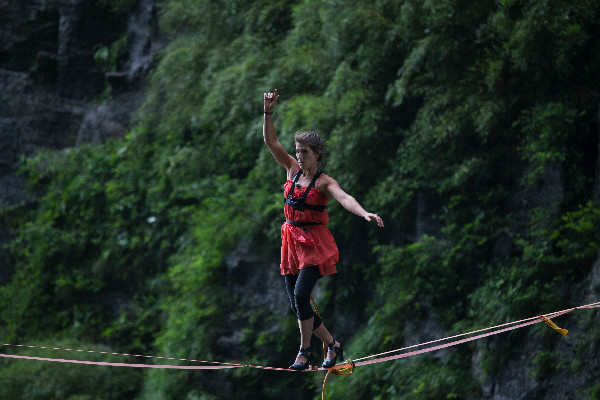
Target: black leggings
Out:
[299,288]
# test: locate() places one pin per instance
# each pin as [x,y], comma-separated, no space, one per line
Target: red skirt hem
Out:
[304,247]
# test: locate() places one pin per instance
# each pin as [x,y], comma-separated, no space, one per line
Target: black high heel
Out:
[339,355]
[310,360]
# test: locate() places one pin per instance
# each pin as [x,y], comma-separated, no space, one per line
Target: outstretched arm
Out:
[330,185]
[283,158]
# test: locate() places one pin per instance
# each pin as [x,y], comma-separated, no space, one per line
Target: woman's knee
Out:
[303,307]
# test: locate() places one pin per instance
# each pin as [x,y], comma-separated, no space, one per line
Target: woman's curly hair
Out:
[312,140]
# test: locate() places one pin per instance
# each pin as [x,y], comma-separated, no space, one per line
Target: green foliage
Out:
[548,131]
[544,363]
[421,378]
[111,58]
[193,307]
[50,380]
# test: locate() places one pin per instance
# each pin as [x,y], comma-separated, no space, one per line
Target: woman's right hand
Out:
[270,100]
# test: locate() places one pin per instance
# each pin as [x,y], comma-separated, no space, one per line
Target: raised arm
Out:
[331,187]
[283,158]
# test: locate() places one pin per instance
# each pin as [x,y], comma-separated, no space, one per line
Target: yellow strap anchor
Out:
[554,326]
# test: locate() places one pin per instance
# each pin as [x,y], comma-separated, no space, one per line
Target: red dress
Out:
[309,245]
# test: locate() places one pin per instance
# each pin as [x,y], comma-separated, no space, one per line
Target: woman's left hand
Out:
[374,217]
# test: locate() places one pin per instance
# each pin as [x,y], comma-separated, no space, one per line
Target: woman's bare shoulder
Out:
[324,184]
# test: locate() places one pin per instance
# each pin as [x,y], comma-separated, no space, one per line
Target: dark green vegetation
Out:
[470,127]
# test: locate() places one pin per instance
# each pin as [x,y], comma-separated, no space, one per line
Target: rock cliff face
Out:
[50,83]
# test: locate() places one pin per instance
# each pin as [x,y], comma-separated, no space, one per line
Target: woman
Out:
[308,251]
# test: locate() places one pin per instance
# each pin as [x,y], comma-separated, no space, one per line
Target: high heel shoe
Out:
[310,360]
[339,355]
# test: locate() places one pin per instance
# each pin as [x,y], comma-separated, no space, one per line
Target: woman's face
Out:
[306,157]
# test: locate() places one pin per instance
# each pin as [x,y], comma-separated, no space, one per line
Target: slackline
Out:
[368,360]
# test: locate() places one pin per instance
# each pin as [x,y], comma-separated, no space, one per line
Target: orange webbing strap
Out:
[345,369]
[342,370]
[554,326]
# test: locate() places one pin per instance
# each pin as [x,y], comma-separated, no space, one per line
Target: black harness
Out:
[299,203]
